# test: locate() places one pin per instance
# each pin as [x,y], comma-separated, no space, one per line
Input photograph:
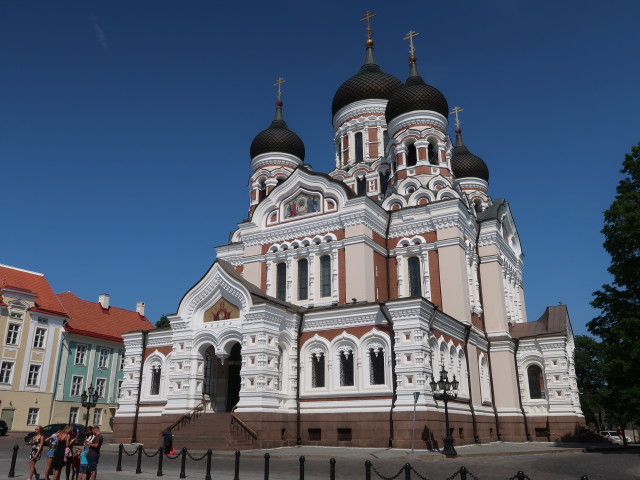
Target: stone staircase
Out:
[217,431]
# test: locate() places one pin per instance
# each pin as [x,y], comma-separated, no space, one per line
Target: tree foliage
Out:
[591,379]
[618,324]
[163,322]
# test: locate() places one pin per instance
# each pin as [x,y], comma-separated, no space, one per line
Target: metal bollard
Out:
[332,469]
[302,467]
[520,475]
[139,464]
[236,475]
[407,471]
[160,457]
[367,470]
[584,477]
[119,466]
[12,469]
[266,466]
[208,474]
[184,463]
[463,473]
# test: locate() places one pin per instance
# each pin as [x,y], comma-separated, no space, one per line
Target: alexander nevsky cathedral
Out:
[345,295]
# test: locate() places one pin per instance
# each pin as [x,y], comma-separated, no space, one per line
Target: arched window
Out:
[339,148]
[346,367]
[376,365]
[415,287]
[303,279]
[359,147]
[536,382]
[385,140]
[412,155]
[281,281]
[431,152]
[279,367]
[262,190]
[156,371]
[325,276]
[317,369]
[361,185]
[384,181]
[485,387]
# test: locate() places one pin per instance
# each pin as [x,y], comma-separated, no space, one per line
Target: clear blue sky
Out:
[125,125]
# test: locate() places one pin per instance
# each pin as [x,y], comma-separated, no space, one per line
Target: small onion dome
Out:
[416,95]
[465,164]
[369,82]
[277,138]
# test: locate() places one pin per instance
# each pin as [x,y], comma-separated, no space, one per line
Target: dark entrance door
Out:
[233,384]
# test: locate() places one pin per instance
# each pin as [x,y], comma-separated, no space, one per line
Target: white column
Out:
[334,275]
[426,279]
[399,263]
[269,264]
[289,278]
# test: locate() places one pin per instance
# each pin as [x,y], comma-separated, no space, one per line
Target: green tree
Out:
[618,324]
[163,322]
[591,379]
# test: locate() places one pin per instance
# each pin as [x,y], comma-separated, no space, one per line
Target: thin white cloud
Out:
[99,34]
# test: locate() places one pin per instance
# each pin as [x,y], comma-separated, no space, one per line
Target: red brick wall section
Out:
[380,264]
[393,278]
[373,142]
[434,276]
[166,350]
[333,333]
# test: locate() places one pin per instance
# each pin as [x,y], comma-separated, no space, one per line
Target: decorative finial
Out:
[368,16]
[409,37]
[455,111]
[278,84]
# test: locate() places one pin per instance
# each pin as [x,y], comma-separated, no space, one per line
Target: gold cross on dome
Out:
[368,16]
[278,84]
[455,111]
[410,36]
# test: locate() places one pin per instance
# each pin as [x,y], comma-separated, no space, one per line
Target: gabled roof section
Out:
[90,319]
[554,321]
[31,284]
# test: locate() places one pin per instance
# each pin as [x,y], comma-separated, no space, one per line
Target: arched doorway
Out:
[221,386]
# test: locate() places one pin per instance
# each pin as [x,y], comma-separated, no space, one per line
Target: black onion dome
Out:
[416,94]
[277,138]
[465,164]
[369,82]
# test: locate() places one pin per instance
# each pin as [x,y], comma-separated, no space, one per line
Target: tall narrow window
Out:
[101,384]
[433,157]
[346,368]
[359,147]
[156,370]
[317,370]
[33,379]
[76,385]
[5,372]
[38,338]
[103,359]
[279,361]
[281,281]
[303,279]
[32,417]
[325,276]
[412,155]
[339,149]
[415,288]
[81,354]
[97,416]
[376,366]
[385,141]
[12,334]
[536,382]
[73,415]
[361,185]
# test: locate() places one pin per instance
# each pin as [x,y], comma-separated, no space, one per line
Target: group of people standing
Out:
[82,465]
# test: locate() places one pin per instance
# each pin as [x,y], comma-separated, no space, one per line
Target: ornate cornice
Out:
[417,117]
[275,158]
[356,109]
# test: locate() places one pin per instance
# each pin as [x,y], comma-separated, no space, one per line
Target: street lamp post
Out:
[446,390]
[89,401]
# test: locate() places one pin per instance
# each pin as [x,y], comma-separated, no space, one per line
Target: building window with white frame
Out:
[13,334]
[281,281]
[5,372]
[119,391]
[156,371]
[122,360]
[33,378]
[73,414]
[415,283]
[317,369]
[376,365]
[303,279]
[39,337]
[32,416]
[81,354]
[97,416]
[346,367]
[536,382]
[76,385]
[103,359]
[100,386]
[325,276]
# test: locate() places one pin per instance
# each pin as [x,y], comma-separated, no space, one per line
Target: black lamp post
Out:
[446,390]
[89,401]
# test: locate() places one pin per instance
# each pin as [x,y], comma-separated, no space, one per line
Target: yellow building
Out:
[31,323]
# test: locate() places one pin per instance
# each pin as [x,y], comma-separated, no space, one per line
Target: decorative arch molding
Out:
[394,199]
[215,284]
[407,242]
[447,193]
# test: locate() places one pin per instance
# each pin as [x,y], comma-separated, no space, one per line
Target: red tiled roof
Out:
[34,283]
[90,319]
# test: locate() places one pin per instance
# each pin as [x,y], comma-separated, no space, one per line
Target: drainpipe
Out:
[524,415]
[394,379]
[298,433]
[134,434]
[473,410]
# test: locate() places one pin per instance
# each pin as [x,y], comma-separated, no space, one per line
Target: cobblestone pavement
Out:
[540,461]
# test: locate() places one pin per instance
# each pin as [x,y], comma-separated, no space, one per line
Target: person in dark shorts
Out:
[94,454]
[167,441]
